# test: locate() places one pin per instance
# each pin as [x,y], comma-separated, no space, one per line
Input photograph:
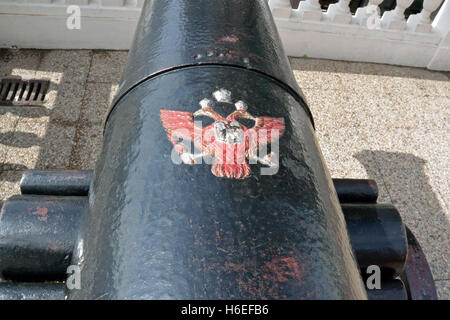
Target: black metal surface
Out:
[377,235]
[393,289]
[158,230]
[161,230]
[31,291]
[357,217]
[233,33]
[417,274]
[77,182]
[356,190]
[37,235]
[56,182]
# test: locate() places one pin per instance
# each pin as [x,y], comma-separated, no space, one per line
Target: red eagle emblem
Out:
[229,142]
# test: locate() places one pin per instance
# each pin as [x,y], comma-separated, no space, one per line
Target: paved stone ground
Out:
[373,121]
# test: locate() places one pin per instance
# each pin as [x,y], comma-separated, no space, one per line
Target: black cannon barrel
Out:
[356,190]
[76,183]
[173,35]
[31,291]
[56,182]
[243,224]
[37,236]
[356,216]
[393,289]
[377,235]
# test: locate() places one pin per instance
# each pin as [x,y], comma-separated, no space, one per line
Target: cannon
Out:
[30,270]
[210,183]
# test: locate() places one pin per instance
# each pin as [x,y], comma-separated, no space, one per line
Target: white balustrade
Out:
[395,19]
[366,37]
[310,10]
[441,26]
[306,31]
[42,24]
[113,3]
[369,16]
[78,2]
[421,22]
[280,8]
[339,12]
[39,1]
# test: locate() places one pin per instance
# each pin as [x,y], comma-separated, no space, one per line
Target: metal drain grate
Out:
[18,92]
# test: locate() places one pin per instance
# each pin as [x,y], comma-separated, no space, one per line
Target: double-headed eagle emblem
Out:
[226,140]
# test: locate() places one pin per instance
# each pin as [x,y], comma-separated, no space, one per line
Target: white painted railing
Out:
[305,31]
[42,24]
[366,36]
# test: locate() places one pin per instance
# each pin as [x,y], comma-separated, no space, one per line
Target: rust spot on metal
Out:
[246,284]
[54,245]
[235,267]
[217,237]
[41,212]
[282,269]
[232,39]
[255,57]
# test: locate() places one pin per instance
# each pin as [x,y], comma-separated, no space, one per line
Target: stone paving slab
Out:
[98,97]
[443,289]
[21,63]
[87,146]
[71,66]
[64,101]
[375,121]
[391,124]
[107,66]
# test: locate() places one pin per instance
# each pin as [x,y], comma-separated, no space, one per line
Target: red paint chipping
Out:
[235,267]
[54,245]
[217,237]
[282,269]
[233,39]
[41,212]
